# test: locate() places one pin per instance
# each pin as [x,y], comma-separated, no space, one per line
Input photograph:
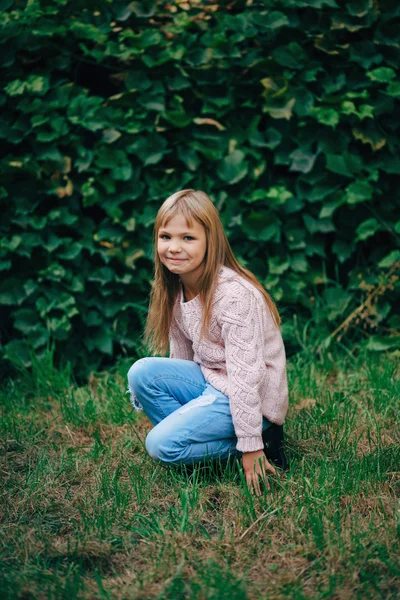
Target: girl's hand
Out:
[255,465]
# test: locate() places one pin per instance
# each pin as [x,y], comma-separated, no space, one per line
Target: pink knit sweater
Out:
[244,358]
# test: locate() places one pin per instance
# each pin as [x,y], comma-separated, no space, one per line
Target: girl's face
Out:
[182,248]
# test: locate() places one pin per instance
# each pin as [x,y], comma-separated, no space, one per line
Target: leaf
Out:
[25,320]
[111,135]
[382,74]
[292,56]
[276,266]
[273,19]
[144,9]
[359,191]
[85,111]
[325,116]
[365,110]
[5,4]
[150,149]
[233,167]
[34,84]
[262,226]
[302,161]
[102,340]
[393,89]
[202,121]
[367,229]
[5,265]
[18,352]
[318,225]
[329,208]
[273,138]
[283,112]
[278,195]
[389,260]
[343,250]
[299,263]
[337,300]
[376,141]
[178,118]
[345,164]
[381,344]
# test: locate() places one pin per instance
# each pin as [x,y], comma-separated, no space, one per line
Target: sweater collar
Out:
[224,274]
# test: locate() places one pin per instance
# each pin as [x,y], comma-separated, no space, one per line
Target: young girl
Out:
[223,390]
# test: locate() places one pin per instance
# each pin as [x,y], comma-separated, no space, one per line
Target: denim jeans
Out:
[192,420]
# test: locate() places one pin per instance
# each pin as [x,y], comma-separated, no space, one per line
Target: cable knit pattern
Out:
[244,357]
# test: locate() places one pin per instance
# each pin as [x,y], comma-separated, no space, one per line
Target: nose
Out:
[174,247]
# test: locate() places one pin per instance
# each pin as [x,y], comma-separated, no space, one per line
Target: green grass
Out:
[85,513]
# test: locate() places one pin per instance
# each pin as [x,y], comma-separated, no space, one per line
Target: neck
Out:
[189,283]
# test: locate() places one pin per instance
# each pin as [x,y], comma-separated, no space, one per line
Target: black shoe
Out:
[273,446]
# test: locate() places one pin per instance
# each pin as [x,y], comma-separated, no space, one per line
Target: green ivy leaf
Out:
[299,263]
[101,339]
[359,191]
[34,84]
[85,111]
[272,138]
[345,164]
[262,226]
[325,116]
[276,266]
[367,229]
[337,301]
[25,320]
[365,110]
[146,8]
[382,74]
[18,352]
[292,56]
[274,19]
[149,149]
[278,195]
[302,161]
[393,89]
[280,112]
[5,265]
[343,250]
[233,168]
[378,343]
[390,259]
[318,225]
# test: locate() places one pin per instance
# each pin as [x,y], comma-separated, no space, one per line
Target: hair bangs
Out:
[178,207]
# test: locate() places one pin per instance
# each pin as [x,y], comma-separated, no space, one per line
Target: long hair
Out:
[193,204]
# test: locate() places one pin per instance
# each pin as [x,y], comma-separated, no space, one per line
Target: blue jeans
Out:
[192,420]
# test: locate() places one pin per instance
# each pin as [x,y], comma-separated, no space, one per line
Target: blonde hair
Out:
[192,204]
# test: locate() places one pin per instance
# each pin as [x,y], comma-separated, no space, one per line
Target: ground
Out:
[85,513]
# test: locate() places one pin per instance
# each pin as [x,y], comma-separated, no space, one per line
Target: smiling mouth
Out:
[177,259]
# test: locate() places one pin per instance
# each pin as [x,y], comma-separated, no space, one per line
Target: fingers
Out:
[259,476]
[253,483]
[268,467]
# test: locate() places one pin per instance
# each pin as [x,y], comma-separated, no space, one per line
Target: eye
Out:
[188,237]
[163,236]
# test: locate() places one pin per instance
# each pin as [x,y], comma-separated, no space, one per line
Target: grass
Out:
[85,513]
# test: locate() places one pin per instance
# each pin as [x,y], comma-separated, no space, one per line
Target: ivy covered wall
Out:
[285,112]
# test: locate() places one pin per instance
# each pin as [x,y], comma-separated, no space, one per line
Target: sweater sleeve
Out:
[243,325]
[179,345]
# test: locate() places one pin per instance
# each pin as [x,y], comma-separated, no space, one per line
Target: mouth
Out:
[177,260]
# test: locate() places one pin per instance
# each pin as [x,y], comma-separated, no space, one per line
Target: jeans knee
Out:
[160,448]
[153,445]
[137,373]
